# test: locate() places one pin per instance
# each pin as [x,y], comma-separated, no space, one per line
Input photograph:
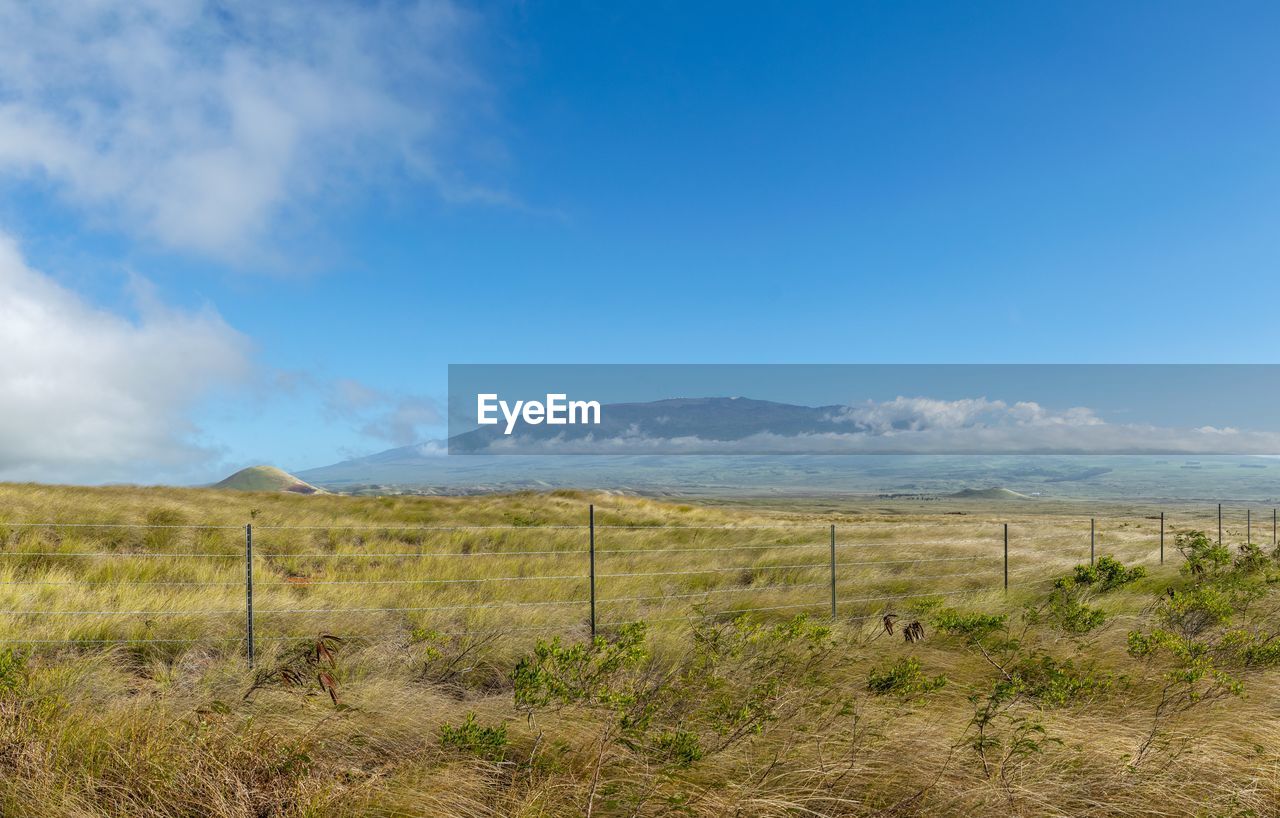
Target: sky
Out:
[236,233]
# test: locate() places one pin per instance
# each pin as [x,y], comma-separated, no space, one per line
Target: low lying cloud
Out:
[89,395]
[198,124]
[905,415]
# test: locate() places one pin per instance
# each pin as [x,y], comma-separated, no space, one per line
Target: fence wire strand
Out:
[862,580]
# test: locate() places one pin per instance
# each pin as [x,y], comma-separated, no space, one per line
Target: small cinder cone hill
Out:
[267,478]
[989,494]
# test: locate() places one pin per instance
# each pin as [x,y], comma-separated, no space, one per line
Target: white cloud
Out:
[88,395]
[434,448]
[929,414]
[395,418]
[200,124]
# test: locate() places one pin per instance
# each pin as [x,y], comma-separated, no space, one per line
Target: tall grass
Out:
[154,712]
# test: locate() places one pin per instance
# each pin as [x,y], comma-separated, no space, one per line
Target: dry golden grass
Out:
[154,712]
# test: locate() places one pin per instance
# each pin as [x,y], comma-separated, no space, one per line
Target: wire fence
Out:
[88,584]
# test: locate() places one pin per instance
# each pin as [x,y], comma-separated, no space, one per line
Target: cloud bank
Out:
[199,125]
[902,415]
[86,394]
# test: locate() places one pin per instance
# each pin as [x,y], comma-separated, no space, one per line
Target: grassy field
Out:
[432,656]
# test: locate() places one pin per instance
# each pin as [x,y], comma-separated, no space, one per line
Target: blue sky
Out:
[657,182]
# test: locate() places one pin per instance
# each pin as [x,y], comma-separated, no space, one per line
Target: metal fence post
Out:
[591,526]
[248,591]
[1092,529]
[1248,526]
[1273,528]
[1219,523]
[1162,538]
[1006,558]
[833,571]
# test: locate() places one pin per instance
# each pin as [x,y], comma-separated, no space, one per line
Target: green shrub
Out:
[1054,683]
[583,673]
[680,747]
[741,671]
[1204,648]
[904,679]
[1203,556]
[13,670]
[1191,611]
[1107,574]
[972,627]
[1066,611]
[738,677]
[489,743]
[1250,559]
[1066,608]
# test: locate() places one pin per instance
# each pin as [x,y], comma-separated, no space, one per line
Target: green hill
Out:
[266,478]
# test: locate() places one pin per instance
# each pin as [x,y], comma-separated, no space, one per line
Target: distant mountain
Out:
[266,478]
[710,419]
[427,469]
